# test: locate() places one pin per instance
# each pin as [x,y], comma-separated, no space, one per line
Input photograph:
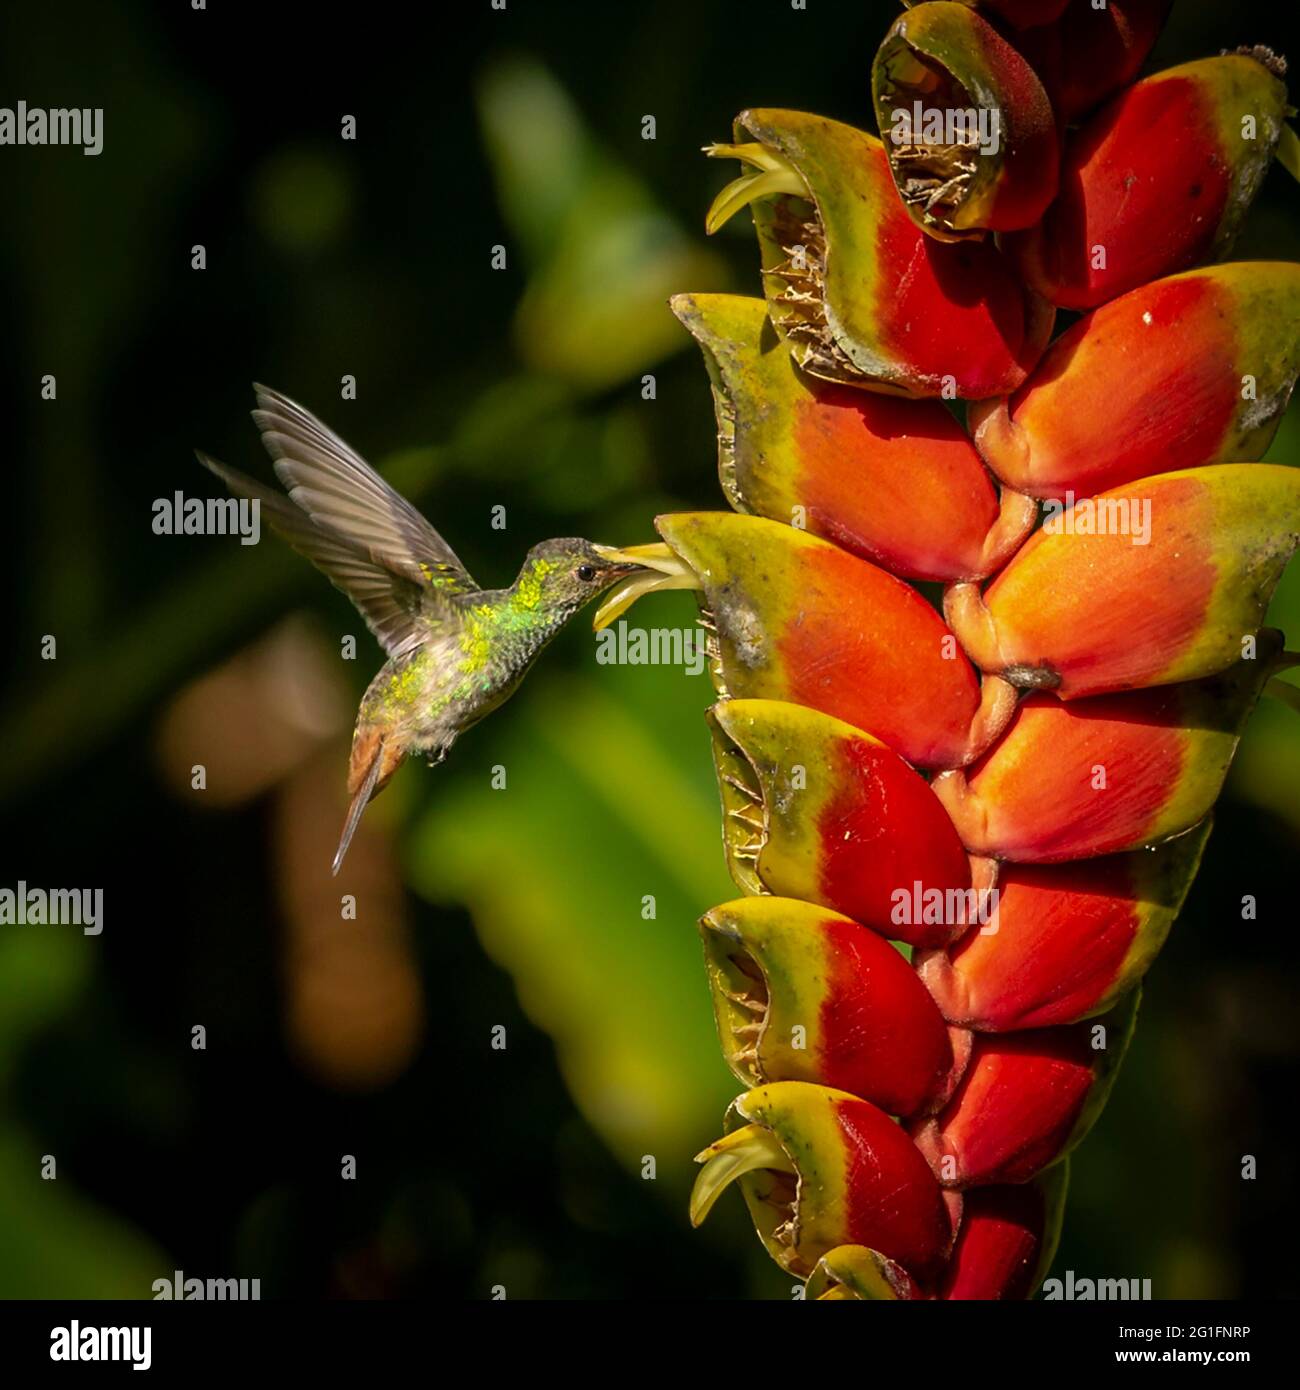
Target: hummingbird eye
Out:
[586,573]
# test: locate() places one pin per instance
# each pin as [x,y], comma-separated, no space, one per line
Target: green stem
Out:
[1284,691]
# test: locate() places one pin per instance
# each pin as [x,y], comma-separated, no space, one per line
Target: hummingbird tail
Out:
[359,800]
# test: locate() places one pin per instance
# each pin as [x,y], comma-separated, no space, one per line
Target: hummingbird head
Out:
[562,575]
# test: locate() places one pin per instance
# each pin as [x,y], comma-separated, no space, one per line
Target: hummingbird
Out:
[455,651]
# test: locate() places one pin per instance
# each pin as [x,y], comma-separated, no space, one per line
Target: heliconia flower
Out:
[1080,702]
[796,618]
[820,1168]
[1026,1099]
[856,288]
[896,482]
[1157,181]
[1194,369]
[802,993]
[1127,770]
[1008,1238]
[1181,572]
[970,135]
[1092,50]
[819,810]
[1066,940]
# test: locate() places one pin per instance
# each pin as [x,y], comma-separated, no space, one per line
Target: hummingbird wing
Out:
[340,491]
[394,608]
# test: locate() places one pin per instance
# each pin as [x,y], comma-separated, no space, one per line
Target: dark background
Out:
[479,908]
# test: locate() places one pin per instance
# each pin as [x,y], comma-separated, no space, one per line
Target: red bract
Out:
[862,295]
[799,620]
[819,810]
[802,993]
[1007,1238]
[1194,369]
[1164,580]
[819,1168]
[1066,940]
[1128,770]
[893,481]
[1092,50]
[1025,1099]
[968,129]
[1157,181]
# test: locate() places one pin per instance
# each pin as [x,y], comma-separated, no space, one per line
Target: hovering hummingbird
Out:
[455,651]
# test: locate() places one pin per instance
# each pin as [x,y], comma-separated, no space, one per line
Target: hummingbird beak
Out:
[643,569]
